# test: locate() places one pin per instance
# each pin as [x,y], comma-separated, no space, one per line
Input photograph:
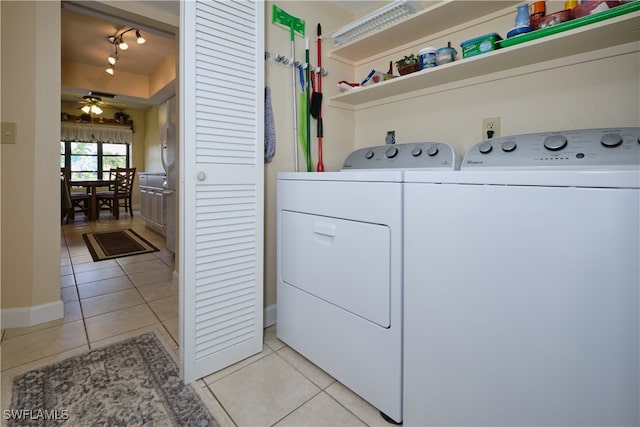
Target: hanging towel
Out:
[269,127]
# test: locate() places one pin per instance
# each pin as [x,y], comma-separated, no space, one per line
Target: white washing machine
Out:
[339,295]
[522,284]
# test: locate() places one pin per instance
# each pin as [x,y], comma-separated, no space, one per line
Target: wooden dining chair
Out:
[127,196]
[121,192]
[79,202]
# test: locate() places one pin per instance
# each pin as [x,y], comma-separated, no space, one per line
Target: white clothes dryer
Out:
[339,292]
[522,277]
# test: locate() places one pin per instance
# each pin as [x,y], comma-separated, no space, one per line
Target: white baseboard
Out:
[270,315]
[30,316]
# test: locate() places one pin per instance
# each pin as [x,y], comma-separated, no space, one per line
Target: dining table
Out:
[92,186]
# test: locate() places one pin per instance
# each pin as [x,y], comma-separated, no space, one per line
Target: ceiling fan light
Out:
[86,109]
[96,110]
[140,39]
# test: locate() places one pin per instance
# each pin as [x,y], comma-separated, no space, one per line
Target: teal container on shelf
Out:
[482,44]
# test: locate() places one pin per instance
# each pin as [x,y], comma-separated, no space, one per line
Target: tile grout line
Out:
[221,405]
[322,390]
[349,410]
[75,284]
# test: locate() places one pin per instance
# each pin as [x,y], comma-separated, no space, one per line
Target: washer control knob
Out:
[416,152]
[485,148]
[391,152]
[555,142]
[369,154]
[433,150]
[508,146]
[611,140]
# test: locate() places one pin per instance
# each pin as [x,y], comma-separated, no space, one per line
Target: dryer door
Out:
[343,262]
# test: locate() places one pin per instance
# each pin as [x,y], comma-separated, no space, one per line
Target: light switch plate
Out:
[8,132]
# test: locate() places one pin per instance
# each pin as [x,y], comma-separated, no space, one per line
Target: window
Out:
[92,160]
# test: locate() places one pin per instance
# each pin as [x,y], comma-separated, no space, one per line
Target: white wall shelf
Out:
[600,35]
[431,20]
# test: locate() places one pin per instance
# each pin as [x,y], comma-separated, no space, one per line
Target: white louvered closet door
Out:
[221,208]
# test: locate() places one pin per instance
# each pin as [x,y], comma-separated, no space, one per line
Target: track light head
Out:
[110,70]
[139,38]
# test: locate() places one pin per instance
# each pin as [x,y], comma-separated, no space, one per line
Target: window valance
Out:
[86,132]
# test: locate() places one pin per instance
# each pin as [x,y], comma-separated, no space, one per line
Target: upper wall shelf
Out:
[599,35]
[431,20]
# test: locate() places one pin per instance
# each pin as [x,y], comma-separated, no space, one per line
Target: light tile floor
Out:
[112,300]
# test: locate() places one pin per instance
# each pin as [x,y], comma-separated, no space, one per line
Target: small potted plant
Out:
[409,64]
[121,117]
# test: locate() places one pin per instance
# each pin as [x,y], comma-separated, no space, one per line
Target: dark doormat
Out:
[116,244]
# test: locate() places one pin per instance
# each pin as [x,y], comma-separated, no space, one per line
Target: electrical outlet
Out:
[391,137]
[490,127]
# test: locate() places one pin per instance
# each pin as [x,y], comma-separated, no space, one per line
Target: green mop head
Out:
[296,25]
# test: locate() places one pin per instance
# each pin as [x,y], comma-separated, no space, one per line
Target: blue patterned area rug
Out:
[131,383]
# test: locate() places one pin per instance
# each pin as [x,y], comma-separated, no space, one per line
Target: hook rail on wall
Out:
[276,58]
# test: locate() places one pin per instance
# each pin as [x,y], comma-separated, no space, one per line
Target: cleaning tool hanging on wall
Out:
[316,100]
[269,127]
[308,100]
[303,110]
[295,25]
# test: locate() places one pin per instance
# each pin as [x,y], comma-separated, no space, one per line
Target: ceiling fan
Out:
[93,103]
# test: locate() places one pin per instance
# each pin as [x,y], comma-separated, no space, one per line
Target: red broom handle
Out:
[320,166]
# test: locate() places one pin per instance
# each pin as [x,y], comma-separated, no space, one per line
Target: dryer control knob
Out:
[369,154]
[391,152]
[508,146]
[433,150]
[485,148]
[611,140]
[555,142]
[416,152]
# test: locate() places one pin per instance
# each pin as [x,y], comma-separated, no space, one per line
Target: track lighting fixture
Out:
[117,41]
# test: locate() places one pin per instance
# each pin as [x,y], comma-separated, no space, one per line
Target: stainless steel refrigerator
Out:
[169,147]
